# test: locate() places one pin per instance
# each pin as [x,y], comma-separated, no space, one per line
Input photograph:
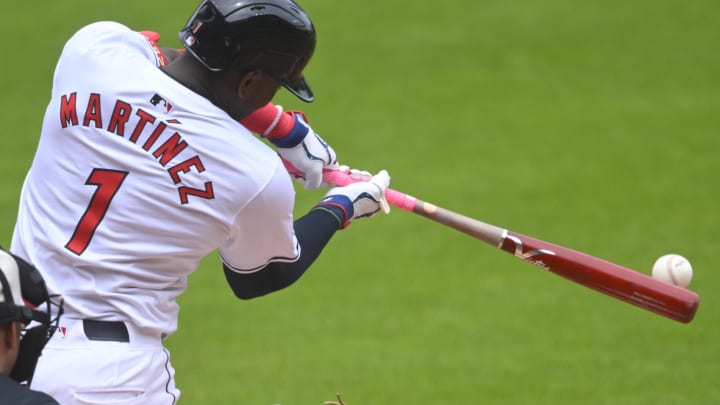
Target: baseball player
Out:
[141,171]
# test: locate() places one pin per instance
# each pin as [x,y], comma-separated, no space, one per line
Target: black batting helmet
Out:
[274,36]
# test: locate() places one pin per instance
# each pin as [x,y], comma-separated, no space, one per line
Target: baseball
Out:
[673,269]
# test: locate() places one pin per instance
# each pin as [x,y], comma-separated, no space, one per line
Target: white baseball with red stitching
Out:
[673,269]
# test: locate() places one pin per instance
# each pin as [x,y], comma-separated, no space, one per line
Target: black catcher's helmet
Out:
[274,36]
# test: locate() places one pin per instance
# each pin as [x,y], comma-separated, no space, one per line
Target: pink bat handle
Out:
[340,179]
[394,198]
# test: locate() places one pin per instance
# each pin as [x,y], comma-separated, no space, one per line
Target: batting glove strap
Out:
[307,151]
[296,135]
[359,200]
[338,206]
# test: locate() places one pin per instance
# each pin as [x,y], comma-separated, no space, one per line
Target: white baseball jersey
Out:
[136,179]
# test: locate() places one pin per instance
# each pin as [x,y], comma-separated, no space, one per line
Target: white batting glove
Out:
[307,151]
[359,200]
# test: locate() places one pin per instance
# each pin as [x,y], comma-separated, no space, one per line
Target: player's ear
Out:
[10,335]
[248,82]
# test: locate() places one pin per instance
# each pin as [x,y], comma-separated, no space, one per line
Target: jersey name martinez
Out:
[163,151]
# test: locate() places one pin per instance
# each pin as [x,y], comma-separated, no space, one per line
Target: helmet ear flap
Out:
[205,38]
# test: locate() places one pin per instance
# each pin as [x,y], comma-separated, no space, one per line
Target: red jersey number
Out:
[108,183]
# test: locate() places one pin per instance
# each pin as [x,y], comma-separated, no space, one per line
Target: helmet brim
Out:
[301,90]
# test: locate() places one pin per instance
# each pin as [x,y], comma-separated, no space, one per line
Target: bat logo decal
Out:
[528,256]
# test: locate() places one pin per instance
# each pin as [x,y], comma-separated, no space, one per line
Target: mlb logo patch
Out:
[161,104]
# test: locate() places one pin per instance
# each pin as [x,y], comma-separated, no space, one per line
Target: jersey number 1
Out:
[108,182]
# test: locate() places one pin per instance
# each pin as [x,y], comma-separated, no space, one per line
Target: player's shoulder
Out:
[105,38]
[105,26]
[100,31]
[40,398]
[14,393]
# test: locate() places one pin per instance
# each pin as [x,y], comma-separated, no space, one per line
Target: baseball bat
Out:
[600,275]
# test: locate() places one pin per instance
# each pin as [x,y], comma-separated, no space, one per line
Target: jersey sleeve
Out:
[264,228]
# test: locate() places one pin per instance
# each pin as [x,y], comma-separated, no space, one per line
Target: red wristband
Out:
[269,121]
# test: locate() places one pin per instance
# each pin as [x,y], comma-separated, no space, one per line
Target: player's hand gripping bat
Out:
[608,278]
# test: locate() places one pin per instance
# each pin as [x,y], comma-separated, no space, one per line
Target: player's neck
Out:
[191,74]
[218,87]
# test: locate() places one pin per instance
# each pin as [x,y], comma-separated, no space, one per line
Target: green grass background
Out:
[591,124]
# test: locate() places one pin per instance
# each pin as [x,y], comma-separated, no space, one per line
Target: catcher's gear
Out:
[22,291]
[274,36]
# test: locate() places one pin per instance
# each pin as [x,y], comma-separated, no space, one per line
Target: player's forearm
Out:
[313,232]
